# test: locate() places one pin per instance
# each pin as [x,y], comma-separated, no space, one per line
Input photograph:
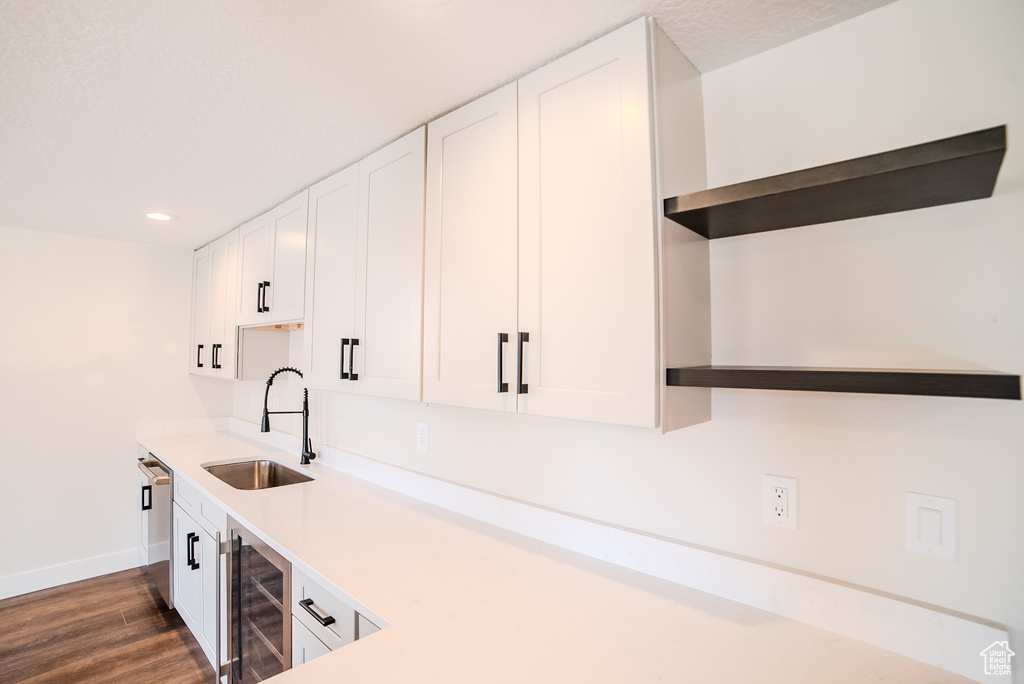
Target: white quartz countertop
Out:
[464,601]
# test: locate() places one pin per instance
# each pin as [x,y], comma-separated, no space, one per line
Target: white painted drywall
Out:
[96,339]
[938,287]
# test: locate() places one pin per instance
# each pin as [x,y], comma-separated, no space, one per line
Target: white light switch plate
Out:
[931,525]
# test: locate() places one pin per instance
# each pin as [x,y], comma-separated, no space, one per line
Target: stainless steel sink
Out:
[261,474]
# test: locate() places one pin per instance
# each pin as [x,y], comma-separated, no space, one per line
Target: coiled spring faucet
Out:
[307,445]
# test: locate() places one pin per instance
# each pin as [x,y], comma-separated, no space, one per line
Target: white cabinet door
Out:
[272,265]
[188,589]
[208,558]
[196,572]
[305,646]
[143,520]
[389,275]
[253,270]
[199,359]
[470,266]
[587,258]
[331,295]
[223,289]
[285,296]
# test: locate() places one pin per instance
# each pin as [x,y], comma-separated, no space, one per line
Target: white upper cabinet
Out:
[213,308]
[253,270]
[199,360]
[364,323]
[272,265]
[587,234]
[542,262]
[331,295]
[470,267]
[223,287]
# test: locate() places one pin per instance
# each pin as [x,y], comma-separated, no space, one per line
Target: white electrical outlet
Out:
[779,501]
[422,436]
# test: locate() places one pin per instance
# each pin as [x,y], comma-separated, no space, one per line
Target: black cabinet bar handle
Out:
[351,359]
[191,540]
[147,502]
[521,387]
[188,549]
[259,297]
[216,356]
[323,620]
[266,286]
[502,386]
[199,356]
[344,343]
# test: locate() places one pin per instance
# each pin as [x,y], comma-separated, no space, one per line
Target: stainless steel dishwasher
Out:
[155,532]
[259,599]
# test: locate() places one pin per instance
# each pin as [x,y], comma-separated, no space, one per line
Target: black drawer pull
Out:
[259,297]
[266,286]
[147,503]
[199,356]
[216,356]
[344,343]
[521,387]
[502,385]
[323,620]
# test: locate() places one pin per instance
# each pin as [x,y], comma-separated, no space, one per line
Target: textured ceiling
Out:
[217,111]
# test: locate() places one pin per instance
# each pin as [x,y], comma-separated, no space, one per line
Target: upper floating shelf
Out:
[982,385]
[945,171]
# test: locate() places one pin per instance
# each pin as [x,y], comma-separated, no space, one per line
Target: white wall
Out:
[940,288]
[96,339]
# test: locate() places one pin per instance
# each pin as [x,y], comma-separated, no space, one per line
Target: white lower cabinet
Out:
[321,620]
[305,646]
[196,572]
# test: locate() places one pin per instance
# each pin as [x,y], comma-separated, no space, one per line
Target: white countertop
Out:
[468,602]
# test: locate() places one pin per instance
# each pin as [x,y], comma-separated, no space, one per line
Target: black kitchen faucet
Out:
[307,446]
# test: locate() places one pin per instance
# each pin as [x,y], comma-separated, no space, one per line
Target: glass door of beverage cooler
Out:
[259,594]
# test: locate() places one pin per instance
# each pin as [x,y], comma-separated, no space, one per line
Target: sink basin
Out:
[261,474]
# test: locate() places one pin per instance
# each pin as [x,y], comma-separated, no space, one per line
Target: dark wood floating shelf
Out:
[945,171]
[930,383]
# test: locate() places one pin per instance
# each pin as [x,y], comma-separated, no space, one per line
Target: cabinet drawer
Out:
[202,508]
[310,599]
[185,495]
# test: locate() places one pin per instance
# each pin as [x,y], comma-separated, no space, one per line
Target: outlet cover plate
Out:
[769,514]
[422,436]
[931,525]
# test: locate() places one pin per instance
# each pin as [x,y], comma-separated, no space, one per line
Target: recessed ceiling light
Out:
[159,216]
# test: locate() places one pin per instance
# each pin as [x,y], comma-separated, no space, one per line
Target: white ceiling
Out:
[215,111]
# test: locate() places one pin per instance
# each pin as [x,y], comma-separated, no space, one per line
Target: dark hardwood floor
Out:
[113,628]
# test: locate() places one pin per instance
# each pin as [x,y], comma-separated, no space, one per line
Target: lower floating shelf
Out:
[930,383]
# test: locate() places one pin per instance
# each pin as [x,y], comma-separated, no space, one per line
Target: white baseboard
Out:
[56,575]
